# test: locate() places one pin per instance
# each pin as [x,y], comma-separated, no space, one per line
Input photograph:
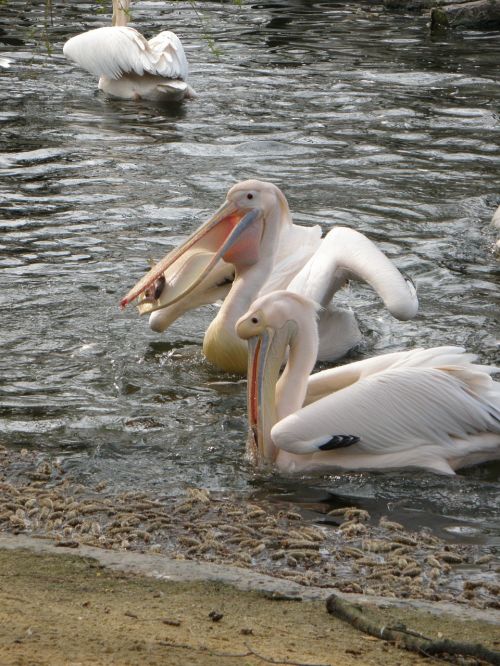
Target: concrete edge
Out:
[162,567]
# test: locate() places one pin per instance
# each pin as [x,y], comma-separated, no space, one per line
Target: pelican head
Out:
[239,233]
[272,328]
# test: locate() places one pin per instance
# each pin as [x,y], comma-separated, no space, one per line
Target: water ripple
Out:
[362,120]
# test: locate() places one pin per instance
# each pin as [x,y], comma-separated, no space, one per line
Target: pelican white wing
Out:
[345,254]
[115,51]
[411,404]
[333,379]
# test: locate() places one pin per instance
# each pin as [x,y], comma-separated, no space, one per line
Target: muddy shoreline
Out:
[91,577]
[345,550]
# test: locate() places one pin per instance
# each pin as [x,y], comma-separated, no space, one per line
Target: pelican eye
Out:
[249,195]
[254,320]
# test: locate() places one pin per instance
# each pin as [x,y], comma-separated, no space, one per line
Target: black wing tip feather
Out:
[339,442]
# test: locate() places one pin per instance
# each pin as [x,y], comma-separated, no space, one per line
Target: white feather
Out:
[346,254]
[171,59]
[397,409]
[433,408]
[296,246]
[317,268]
[129,66]
[114,51]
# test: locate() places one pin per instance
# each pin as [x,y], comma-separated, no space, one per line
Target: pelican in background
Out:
[128,65]
[253,234]
[433,408]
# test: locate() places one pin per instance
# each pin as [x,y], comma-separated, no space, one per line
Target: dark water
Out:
[358,115]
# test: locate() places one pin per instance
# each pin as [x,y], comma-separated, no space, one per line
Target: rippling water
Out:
[358,115]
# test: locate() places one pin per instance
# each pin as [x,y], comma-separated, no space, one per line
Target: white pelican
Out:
[130,66]
[430,408]
[252,230]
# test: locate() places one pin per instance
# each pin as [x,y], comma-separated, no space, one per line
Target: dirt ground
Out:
[68,610]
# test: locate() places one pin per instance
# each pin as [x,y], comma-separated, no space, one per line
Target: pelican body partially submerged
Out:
[128,65]
[250,247]
[427,408]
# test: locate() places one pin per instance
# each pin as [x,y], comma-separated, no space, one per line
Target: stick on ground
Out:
[446,648]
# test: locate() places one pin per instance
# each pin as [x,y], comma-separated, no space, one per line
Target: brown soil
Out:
[68,610]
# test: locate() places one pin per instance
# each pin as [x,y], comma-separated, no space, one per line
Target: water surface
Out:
[358,115]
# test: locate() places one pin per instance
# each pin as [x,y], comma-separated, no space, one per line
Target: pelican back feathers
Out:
[119,50]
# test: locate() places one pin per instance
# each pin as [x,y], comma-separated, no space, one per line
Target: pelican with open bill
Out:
[227,234]
[247,246]
[242,237]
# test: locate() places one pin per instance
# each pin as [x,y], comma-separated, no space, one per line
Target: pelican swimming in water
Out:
[128,65]
[253,234]
[429,408]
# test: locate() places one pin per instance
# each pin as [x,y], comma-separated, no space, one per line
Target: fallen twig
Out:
[411,632]
[250,651]
[202,648]
[269,660]
[349,612]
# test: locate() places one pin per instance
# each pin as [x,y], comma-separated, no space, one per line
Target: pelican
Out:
[128,65]
[253,234]
[429,408]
